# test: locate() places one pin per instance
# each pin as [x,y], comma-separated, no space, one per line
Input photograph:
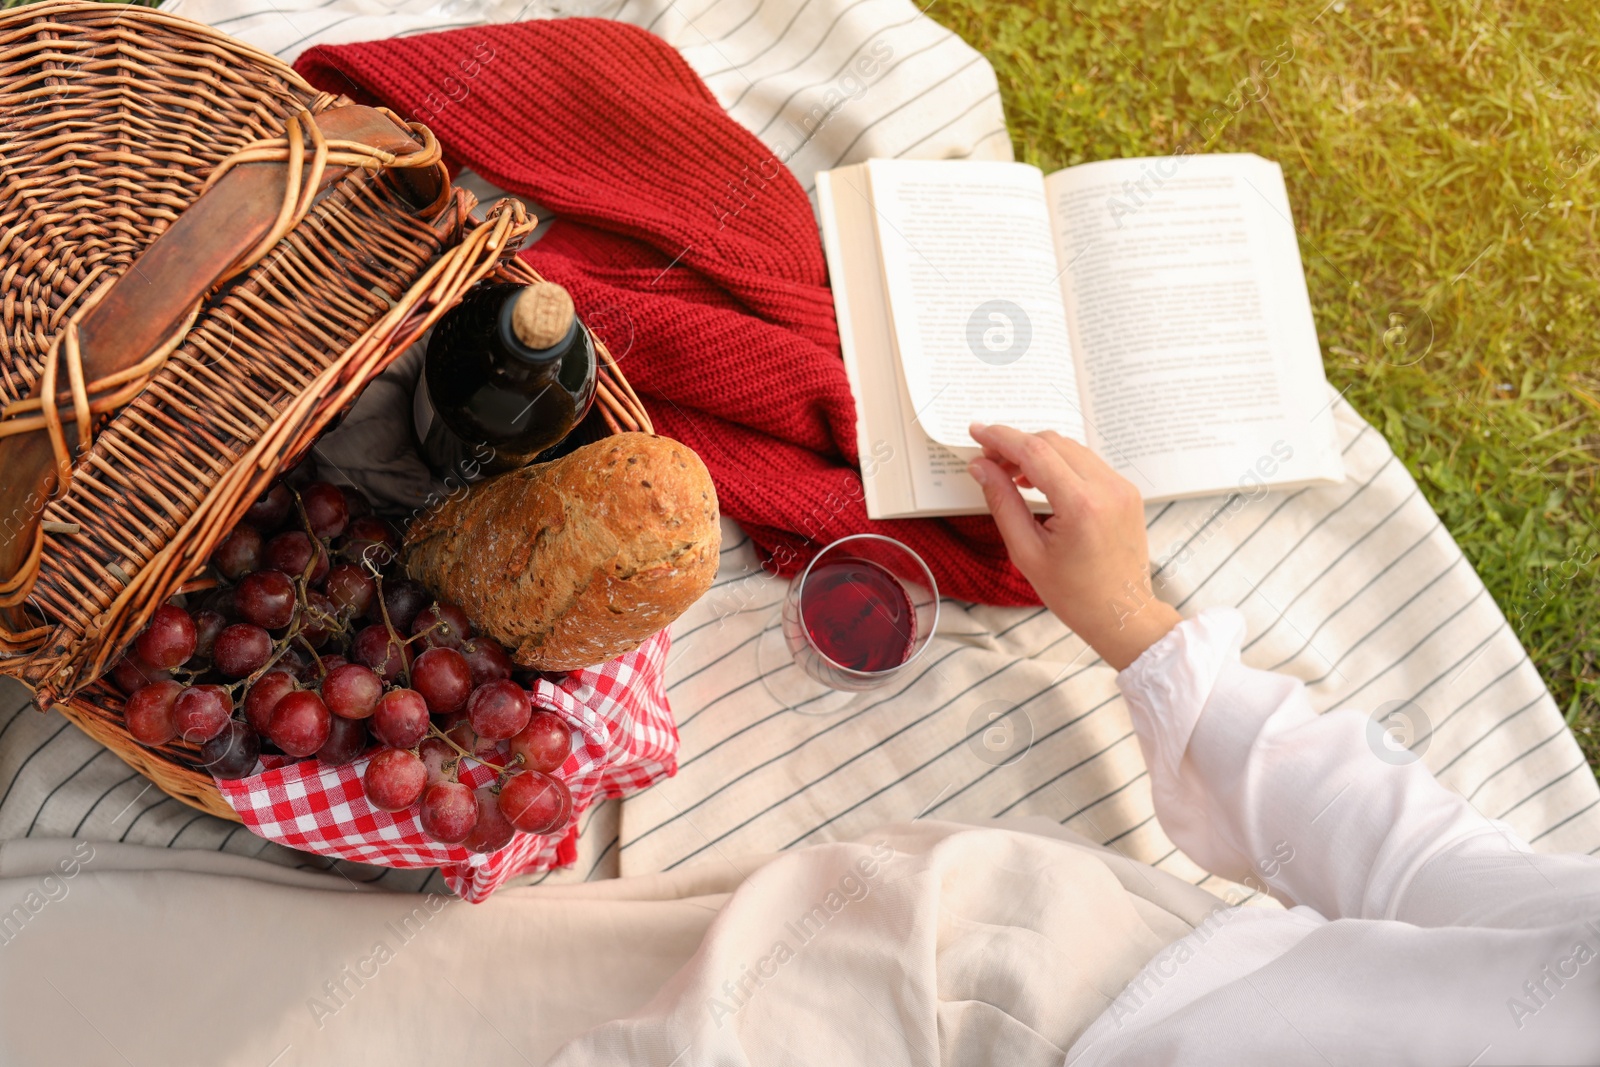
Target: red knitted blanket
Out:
[688,247]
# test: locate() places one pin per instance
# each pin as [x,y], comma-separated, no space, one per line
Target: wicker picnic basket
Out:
[252,252]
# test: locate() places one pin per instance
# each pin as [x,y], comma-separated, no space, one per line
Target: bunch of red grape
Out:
[303,648]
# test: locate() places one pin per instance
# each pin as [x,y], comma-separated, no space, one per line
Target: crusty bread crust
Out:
[570,563]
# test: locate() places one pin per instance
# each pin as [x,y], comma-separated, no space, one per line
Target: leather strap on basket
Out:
[164,290]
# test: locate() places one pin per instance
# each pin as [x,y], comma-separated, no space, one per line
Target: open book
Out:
[1153,309]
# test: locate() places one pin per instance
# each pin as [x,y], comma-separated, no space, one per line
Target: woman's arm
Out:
[1247,778]
[1256,787]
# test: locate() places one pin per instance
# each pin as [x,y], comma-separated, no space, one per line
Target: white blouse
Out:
[1419,930]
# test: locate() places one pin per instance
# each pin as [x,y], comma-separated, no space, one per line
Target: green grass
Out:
[1440,159]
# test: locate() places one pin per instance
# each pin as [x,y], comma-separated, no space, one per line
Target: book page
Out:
[939,478]
[970,269]
[1188,310]
[903,471]
[865,340]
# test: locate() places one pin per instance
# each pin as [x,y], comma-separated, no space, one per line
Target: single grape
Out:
[169,640]
[350,589]
[376,649]
[544,743]
[356,502]
[347,739]
[319,620]
[292,552]
[266,598]
[370,540]
[405,601]
[300,723]
[566,804]
[326,509]
[239,553]
[219,600]
[241,650]
[201,712]
[493,831]
[449,812]
[263,697]
[394,779]
[499,709]
[353,692]
[439,758]
[232,753]
[131,674]
[487,659]
[443,678]
[207,625]
[401,718]
[458,728]
[298,664]
[533,802]
[148,713]
[331,662]
[445,625]
[271,509]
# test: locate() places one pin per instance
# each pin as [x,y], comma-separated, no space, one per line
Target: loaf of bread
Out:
[572,562]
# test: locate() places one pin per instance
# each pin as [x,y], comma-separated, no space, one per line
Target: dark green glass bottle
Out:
[509,373]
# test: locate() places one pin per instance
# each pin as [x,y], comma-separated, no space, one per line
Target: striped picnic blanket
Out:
[1356,589]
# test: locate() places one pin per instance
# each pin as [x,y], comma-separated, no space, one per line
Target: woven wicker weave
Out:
[112,122]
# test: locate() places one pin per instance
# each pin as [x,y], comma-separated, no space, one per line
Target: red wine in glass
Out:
[859,615]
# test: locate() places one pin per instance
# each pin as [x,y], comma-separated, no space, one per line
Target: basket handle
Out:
[120,336]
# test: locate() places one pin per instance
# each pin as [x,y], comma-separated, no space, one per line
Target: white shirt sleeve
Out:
[1423,932]
[1320,809]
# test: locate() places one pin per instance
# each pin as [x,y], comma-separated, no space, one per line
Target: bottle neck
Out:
[514,346]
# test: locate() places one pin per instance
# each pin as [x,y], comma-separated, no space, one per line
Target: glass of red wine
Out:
[864,608]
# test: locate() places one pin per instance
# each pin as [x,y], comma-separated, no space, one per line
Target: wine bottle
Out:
[509,373]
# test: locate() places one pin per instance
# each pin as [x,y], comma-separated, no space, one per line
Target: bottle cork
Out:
[542,315]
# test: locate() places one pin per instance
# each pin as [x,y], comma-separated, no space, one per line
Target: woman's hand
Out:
[1089,560]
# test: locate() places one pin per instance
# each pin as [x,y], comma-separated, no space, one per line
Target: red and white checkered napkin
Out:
[625,740]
